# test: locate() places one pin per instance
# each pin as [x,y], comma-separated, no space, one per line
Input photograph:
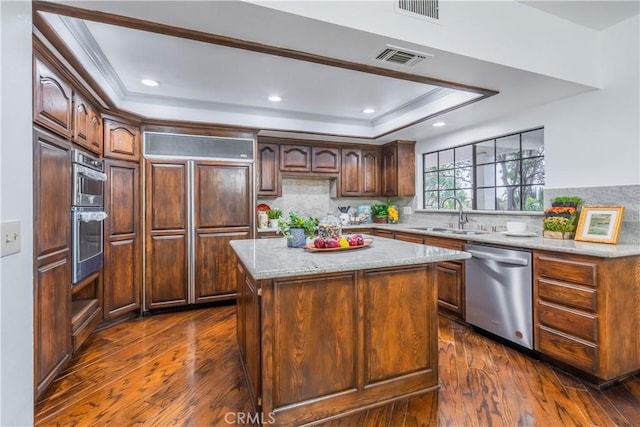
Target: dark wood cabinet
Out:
[586,312]
[222,201]
[166,216]
[451,278]
[398,169]
[220,196]
[121,140]
[52,256]
[87,125]
[52,100]
[268,176]
[122,253]
[359,175]
[295,158]
[325,160]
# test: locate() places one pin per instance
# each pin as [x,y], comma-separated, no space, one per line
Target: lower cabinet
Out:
[122,252]
[586,312]
[451,278]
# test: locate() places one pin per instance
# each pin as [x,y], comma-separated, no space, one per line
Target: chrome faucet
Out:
[462,220]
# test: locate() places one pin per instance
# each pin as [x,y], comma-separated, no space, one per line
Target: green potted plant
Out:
[560,220]
[380,213]
[274,216]
[297,228]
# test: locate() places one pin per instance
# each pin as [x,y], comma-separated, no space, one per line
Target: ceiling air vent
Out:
[400,56]
[428,8]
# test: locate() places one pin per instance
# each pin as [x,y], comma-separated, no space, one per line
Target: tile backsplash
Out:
[311,196]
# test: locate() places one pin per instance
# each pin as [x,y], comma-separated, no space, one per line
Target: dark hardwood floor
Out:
[183,369]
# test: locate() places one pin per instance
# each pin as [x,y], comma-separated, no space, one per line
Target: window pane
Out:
[466,198]
[430,181]
[464,178]
[486,175]
[533,197]
[485,152]
[486,199]
[446,180]
[446,159]
[533,143]
[508,198]
[430,162]
[464,156]
[508,173]
[508,148]
[533,171]
[431,199]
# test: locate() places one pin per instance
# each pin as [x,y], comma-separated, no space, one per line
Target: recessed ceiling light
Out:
[438,124]
[368,111]
[149,82]
[275,98]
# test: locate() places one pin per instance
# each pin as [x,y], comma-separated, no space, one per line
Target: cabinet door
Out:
[166,217]
[52,257]
[222,195]
[81,120]
[325,160]
[269,183]
[350,175]
[52,102]
[96,135]
[295,158]
[215,265]
[389,171]
[370,173]
[121,141]
[450,287]
[222,206]
[122,258]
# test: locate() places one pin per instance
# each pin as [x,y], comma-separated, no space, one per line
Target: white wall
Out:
[592,139]
[16,277]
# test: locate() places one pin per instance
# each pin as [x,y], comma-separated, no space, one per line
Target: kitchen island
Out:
[327,334]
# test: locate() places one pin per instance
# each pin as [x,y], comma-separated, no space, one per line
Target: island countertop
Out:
[271,258]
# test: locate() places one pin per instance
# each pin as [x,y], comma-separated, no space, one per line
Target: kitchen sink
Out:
[450,230]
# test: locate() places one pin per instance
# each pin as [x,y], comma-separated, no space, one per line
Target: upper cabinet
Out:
[87,125]
[52,100]
[121,141]
[359,172]
[398,169]
[325,160]
[268,176]
[295,158]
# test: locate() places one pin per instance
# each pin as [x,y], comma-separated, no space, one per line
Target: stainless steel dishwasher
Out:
[498,295]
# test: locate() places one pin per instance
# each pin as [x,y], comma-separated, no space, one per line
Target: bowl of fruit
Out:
[338,243]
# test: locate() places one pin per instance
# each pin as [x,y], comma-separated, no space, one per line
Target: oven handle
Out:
[503,260]
[92,216]
[93,174]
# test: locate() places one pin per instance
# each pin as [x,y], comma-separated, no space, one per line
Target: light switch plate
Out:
[406,210]
[10,238]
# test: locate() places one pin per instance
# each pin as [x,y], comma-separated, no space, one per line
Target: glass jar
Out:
[392,214]
[329,226]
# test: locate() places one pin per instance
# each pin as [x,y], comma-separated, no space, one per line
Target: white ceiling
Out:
[597,15]
[216,84]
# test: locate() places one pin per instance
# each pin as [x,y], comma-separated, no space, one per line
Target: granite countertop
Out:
[536,242]
[271,258]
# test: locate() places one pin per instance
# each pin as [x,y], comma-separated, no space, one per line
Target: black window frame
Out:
[449,171]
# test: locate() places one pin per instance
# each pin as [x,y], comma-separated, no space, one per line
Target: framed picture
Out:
[599,224]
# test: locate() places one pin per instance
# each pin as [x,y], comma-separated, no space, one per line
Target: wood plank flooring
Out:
[183,369]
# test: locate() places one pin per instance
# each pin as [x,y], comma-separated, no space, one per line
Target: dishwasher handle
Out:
[504,260]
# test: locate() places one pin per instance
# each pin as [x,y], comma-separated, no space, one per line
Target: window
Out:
[504,173]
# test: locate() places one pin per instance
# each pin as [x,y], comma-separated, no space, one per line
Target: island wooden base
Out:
[324,346]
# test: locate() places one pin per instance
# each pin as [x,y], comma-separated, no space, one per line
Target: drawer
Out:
[84,331]
[457,245]
[409,237]
[567,294]
[571,351]
[568,270]
[579,324]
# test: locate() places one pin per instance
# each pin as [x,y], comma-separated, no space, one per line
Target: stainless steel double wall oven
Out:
[87,214]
